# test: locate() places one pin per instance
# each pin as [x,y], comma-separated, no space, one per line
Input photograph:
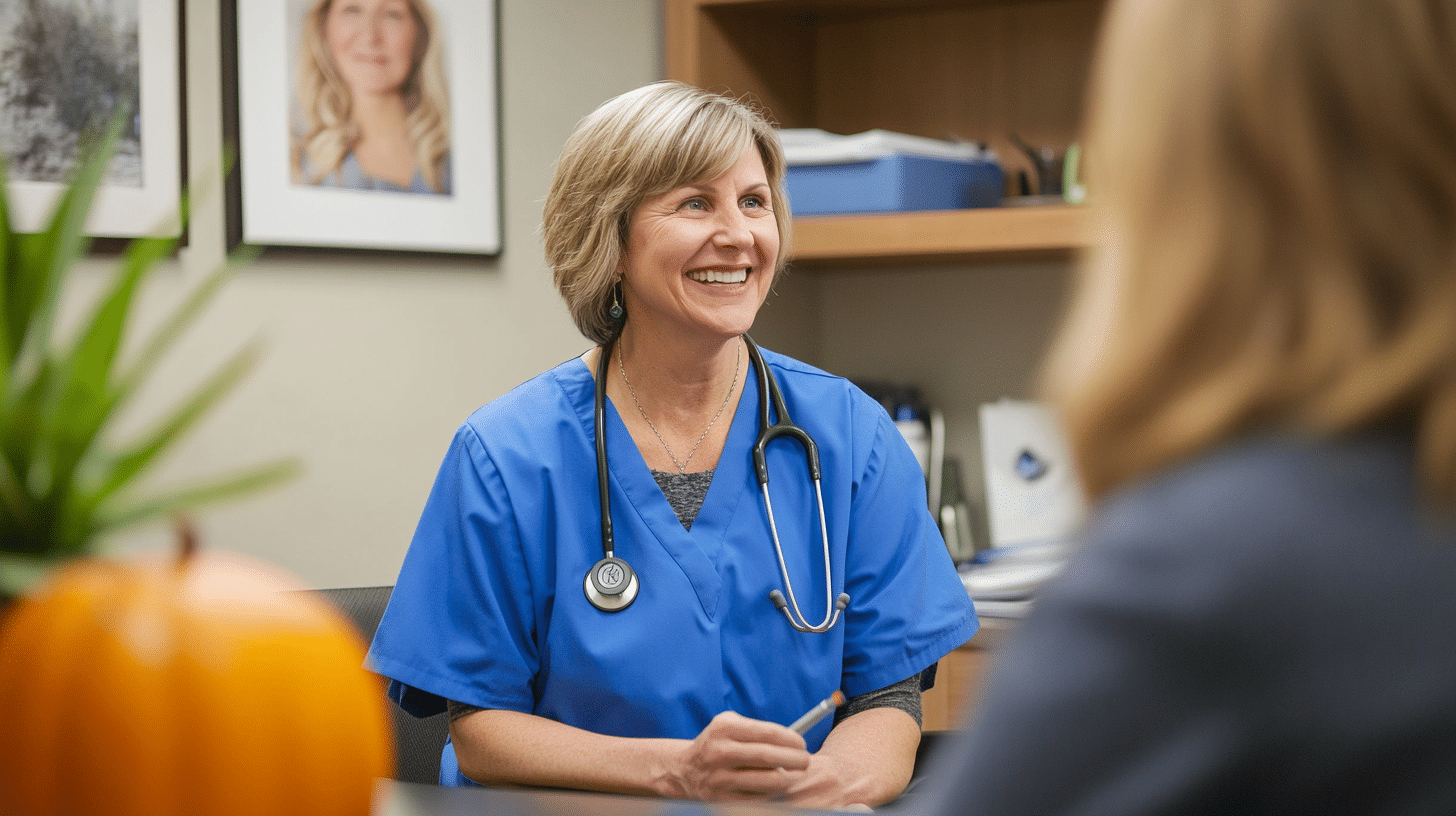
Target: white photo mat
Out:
[121,210]
[275,211]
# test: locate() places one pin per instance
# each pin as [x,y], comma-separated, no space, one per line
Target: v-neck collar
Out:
[697,551]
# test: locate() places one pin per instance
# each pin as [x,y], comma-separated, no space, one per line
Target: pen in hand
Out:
[818,712]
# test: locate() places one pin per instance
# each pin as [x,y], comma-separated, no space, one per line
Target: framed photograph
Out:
[369,124]
[67,67]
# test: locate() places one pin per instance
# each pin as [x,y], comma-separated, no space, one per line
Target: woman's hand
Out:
[738,759]
[830,783]
[865,761]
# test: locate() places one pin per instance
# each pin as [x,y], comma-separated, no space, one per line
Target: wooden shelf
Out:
[973,69]
[998,233]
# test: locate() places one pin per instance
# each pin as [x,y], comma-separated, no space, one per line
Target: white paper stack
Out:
[812,146]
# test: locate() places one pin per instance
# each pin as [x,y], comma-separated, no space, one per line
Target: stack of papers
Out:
[812,146]
[1002,581]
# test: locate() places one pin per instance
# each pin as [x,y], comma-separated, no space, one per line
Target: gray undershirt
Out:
[685,493]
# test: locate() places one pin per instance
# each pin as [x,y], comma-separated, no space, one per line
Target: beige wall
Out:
[372,361]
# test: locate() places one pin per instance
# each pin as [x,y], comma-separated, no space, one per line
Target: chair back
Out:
[418,741]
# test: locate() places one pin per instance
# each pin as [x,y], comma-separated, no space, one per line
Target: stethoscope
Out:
[611,585]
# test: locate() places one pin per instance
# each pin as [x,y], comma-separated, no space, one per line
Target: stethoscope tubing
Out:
[600,423]
[797,619]
[768,392]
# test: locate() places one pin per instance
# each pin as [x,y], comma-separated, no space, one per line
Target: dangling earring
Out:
[616,310]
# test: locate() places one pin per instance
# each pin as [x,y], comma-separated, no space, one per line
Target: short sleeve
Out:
[458,624]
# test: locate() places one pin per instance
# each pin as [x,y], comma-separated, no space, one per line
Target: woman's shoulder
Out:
[784,362]
[345,175]
[1278,480]
[350,175]
[830,405]
[556,392]
[798,376]
[1261,510]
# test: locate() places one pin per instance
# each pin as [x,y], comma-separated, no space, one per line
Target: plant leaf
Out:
[62,483]
[77,521]
[229,487]
[32,297]
[23,445]
[8,270]
[166,335]
[19,573]
[86,399]
[14,506]
[132,462]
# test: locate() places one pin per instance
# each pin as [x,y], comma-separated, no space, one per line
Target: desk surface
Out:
[393,798]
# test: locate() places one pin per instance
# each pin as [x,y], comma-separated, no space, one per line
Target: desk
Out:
[393,798]
[958,679]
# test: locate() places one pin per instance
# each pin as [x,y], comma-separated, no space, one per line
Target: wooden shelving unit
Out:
[974,69]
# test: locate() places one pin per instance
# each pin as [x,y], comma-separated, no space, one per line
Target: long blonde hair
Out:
[1274,199]
[325,104]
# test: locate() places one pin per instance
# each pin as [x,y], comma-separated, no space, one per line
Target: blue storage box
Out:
[884,171]
[893,184]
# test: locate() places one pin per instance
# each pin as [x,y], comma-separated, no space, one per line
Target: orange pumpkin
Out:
[201,687]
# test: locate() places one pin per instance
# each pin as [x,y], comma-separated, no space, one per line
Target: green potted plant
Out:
[191,683]
[65,479]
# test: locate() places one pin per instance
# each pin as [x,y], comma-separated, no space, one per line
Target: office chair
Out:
[417,740]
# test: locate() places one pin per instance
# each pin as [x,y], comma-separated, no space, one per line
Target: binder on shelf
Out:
[882,171]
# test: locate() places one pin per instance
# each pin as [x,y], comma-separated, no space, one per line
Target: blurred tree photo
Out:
[67,67]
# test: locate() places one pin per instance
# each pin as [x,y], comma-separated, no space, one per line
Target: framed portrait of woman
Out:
[68,68]
[369,124]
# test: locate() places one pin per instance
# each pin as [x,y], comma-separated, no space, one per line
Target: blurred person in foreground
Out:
[1258,380]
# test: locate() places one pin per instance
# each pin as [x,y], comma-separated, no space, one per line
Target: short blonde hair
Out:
[641,144]
[327,108]
[1273,186]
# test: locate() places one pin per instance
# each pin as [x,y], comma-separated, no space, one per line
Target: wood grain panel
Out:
[1031,232]
[958,682]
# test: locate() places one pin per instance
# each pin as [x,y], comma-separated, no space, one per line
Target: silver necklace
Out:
[682,467]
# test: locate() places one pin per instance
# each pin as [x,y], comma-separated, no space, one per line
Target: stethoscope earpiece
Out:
[610,585]
[801,625]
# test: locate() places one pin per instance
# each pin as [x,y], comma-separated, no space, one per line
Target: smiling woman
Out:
[592,587]
[373,98]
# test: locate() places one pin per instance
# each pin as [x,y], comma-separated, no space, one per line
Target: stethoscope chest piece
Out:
[610,585]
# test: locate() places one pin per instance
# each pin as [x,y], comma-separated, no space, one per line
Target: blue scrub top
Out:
[489,608]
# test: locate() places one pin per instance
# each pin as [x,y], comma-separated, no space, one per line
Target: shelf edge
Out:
[1037,231]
